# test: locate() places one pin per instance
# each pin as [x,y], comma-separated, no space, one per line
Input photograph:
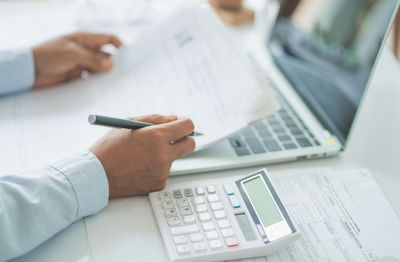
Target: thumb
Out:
[94,60]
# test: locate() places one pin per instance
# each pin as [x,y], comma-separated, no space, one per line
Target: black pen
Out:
[123,123]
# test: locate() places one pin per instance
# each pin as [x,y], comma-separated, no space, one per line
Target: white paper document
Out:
[185,65]
[343,216]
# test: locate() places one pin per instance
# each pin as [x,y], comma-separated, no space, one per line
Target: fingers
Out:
[93,61]
[89,53]
[155,119]
[178,129]
[74,73]
[183,147]
[94,41]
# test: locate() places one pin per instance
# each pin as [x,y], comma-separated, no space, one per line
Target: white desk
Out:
[375,144]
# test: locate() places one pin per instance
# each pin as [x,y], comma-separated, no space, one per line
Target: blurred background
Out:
[120,16]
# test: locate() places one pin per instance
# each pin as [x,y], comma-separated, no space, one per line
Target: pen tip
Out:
[91,119]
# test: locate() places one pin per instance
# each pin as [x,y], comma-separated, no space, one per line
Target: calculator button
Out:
[216,206]
[182,202]
[204,217]
[198,247]
[200,190]
[164,196]
[227,232]
[170,212]
[219,214]
[228,189]
[231,242]
[167,204]
[196,237]
[214,244]
[177,193]
[185,211]
[208,226]
[183,249]
[211,235]
[173,221]
[224,223]
[201,208]
[184,230]
[211,189]
[212,198]
[180,240]
[198,200]
[234,201]
[189,219]
[188,192]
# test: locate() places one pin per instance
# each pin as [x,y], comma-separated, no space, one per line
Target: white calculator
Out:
[222,219]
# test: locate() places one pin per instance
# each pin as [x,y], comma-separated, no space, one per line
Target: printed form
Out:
[343,216]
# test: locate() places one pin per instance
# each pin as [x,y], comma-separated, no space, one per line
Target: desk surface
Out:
[374,144]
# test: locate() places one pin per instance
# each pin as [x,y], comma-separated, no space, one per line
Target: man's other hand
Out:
[138,162]
[65,58]
[228,4]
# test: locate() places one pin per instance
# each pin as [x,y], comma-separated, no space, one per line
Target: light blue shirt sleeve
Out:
[17,71]
[37,204]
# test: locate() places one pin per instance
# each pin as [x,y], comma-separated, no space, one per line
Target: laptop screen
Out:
[327,50]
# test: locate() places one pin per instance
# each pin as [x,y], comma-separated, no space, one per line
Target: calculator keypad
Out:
[197,218]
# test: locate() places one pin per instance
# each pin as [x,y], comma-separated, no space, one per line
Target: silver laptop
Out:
[319,58]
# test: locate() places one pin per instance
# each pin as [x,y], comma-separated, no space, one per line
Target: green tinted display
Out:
[262,201]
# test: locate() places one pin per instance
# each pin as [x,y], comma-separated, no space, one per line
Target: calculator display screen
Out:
[262,201]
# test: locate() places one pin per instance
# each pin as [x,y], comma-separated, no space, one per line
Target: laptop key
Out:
[264,132]
[287,119]
[285,115]
[273,122]
[242,151]
[272,145]
[255,145]
[260,126]
[284,138]
[237,142]
[291,125]
[303,142]
[279,130]
[296,132]
[290,146]
[248,133]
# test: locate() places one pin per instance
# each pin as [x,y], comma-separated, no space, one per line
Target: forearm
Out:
[37,204]
[17,71]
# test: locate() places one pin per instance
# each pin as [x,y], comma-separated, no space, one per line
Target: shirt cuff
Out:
[17,70]
[88,178]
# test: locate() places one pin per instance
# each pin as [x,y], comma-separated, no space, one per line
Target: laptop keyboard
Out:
[281,131]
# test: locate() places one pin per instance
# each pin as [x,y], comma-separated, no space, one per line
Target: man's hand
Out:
[229,4]
[66,57]
[138,162]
